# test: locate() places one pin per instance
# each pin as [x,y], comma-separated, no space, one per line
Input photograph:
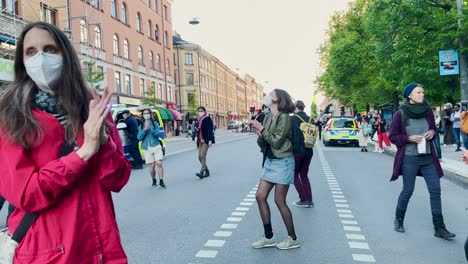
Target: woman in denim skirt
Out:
[278,170]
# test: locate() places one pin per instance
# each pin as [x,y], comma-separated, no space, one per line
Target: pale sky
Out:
[275,41]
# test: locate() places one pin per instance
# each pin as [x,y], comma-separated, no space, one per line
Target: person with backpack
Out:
[302,154]
[412,131]
[148,134]
[364,133]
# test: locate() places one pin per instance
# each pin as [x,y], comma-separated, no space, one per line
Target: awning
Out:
[165,114]
[176,114]
[7,40]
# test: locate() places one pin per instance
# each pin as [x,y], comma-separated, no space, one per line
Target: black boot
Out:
[439,227]
[154,182]
[207,173]
[398,223]
[200,175]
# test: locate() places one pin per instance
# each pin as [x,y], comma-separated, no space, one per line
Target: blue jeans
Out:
[424,164]
[457,133]
[436,141]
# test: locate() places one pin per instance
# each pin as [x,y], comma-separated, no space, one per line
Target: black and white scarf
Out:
[48,103]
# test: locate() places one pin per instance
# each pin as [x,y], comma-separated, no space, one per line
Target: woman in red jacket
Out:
[47,104]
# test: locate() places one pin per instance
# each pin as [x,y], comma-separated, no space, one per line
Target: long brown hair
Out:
[16,102]
[285,103]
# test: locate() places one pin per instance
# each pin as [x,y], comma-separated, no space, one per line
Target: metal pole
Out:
[463,62]
[178,78]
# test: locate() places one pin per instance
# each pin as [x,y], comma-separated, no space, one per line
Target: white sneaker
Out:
[289,243]
[265,243]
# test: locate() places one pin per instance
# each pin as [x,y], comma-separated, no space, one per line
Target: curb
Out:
[452,174]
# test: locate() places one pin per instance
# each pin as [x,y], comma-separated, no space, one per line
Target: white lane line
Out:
[358,245]
[252,192]
[234,219]
[352,228]
[335,189]
[344,211]
[207,254]
[363,258]
[246,204]
[346,215]
[250,195]
[340,201]
[249,200]
[342,205]
[355,237]
[238,213]
[349,222]
[229,226]
[242,208]
[337,192]
[215,243]
[223,234]
[338,196]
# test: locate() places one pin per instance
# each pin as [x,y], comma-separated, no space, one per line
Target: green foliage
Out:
[192,104]
[150,99]
[94,77]
[378,46]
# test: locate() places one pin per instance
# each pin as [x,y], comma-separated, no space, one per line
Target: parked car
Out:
[233,124]
[341,130]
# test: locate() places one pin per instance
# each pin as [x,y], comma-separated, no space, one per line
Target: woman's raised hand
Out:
[94,129]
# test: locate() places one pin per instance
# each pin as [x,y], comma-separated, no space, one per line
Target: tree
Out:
[150,99]
[94,77]
[192,104]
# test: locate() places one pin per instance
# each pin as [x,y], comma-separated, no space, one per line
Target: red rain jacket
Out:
[76,222]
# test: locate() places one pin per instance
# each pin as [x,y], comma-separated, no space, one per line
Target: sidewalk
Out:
[452,164]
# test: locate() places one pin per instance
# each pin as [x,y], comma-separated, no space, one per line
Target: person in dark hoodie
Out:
[412,131]
[302,158]
[205,138]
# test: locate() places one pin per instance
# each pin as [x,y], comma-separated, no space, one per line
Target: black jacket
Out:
[297,136]
[207,130]
[132,128]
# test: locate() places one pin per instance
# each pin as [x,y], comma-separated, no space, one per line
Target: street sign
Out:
[448,62]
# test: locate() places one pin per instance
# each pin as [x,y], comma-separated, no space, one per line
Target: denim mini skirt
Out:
[279,171]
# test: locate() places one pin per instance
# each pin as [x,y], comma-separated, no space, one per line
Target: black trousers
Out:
[135,152]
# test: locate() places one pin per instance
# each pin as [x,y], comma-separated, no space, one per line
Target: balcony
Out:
[11,26]
[128,64]
[142,68]
[117,60]
[86,50]
[100,54]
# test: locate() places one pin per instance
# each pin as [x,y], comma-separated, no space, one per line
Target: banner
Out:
[448,62]
[6,70]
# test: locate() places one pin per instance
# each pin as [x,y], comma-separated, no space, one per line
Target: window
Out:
[97,38]
[97,3]
[153,88]
[188,59]
[118,85]
[140,55]
[138,22]
[126,50]
[100,69]
[48,14]
[168,68]
[11,6]
[150,29]
[148,3]
[115,43]
[128,84]
[189,78]
[166,39]
[160,91]
[151,60]
[165,12]
[156,33]
[156,6]
[142,87]
[113,9]
[83,32]
[123,15]
[169,94]
[158,62]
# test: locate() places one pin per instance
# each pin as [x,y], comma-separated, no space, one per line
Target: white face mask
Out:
[200,114]
[146,116]
[44,69]
[267,100]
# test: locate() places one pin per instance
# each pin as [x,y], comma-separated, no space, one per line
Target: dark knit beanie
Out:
[409,89]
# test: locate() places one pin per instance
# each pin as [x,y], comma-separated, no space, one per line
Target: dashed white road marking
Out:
[207,254]
[215,243]
[234,219]
[344,211]
[249,200]
[352,228]
[242,209]
[346,215]
[229,226]
[358,245]
[349,222]
[342,205]
[355,237]
[251,195]
[223,234]
[238,213]
[246,203]
[363,258]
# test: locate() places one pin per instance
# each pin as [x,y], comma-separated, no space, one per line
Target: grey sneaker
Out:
[289,243]
[303,204]
[265,242]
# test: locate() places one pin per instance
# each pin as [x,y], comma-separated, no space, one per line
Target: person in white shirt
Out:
[455,118]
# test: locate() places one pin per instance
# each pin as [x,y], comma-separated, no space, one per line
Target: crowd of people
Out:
[62,156]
